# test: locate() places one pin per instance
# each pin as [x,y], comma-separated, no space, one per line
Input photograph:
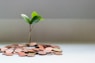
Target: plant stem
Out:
[30,30]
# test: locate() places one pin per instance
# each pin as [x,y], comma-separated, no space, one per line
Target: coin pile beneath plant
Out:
[30,49]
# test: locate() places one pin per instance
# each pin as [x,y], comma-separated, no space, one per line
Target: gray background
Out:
[48,8]
[65,20]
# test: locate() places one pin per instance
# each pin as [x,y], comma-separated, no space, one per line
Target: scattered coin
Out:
[42,53]
[8,54]
[18,50]
[21,54]
[57,49]
[33,44]
[41,47]
[9,50]
[0,49]
[48,49]
[21,45]
[8,46]
[30,49]
[58,53]
[31,54]
[55,46]
[3,49]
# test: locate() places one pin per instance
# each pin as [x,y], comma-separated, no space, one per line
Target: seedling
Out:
[25,50]
[35,18]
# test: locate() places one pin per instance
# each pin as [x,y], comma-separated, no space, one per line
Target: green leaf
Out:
[35,19]
[34,13]
[41,18]
[26,18]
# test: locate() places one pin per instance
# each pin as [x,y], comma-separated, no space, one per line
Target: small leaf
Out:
[26,18]
[35,19]
[41,18]
[34,13]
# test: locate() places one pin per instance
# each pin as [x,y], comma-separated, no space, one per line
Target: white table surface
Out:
[72,53]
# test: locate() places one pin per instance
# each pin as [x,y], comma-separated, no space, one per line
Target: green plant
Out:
[35,18]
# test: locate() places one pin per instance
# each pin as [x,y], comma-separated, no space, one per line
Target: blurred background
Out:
[65,20]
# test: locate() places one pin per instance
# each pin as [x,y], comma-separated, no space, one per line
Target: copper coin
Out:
[33,44]
[8,54]
[57,49]
[3,49]
[9,50]
[42,53]
[31,54]
[18,50]
[41,47]
[55,46]
[48,49]
[58,53]
[21,54]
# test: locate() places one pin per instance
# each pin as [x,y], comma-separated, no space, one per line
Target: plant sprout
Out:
[35,18]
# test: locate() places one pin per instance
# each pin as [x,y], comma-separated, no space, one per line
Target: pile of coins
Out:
[30,49]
